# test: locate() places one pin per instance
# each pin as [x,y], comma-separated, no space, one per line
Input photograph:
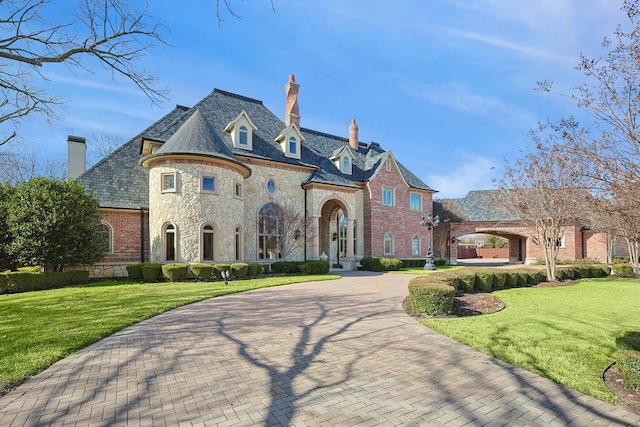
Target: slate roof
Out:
[476,206]
[120,182]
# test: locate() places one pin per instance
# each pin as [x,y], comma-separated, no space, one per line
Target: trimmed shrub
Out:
[621,260]
[16,282]
[314,267]
[467,281]
[512,280]
[371,264]
[390,264]
[151,272]
[438,262]
[600,271]
[628,358]
[435,298]
[254,270]
[134,271]
[484,281]
[175,272]
[623,270]
[522,280]
[201,271]
[286,267]
[499,279]
[219,268]
[240,270]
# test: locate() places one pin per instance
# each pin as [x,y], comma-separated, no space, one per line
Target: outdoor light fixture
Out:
[335,237]
[429,222]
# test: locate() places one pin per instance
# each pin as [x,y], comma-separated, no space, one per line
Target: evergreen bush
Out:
[434,298]
[134,271]
[628,358]
[201,271]
[151,272]
[175,272]
[239,270]
[314,267]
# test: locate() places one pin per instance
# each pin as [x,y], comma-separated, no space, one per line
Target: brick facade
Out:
[398,220]
[129,235]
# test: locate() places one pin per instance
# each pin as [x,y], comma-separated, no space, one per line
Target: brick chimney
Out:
[76,156]
[353,135]
[291,111]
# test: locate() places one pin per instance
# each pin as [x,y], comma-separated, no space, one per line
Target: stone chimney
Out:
[291,111]
[76,156]
[353,135]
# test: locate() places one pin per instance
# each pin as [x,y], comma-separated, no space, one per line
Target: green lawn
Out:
[39,328]
[566,333]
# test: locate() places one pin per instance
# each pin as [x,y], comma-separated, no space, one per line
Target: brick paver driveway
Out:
[329,353]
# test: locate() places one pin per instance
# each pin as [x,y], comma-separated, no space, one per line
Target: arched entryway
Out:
[336,235]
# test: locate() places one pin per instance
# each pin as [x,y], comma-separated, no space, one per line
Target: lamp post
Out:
[429,222]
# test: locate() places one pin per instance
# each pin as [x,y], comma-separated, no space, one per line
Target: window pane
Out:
[271,186]
[388,244]
[238,190]
[416,202]
[243,136]
[170,244]
[238,247]
[208,183]
[168,182]
[293,148]
[415,245]
[387,197]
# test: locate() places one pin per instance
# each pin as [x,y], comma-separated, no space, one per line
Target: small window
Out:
[293,145]
[238,244]
[108,242]
[346,164]
[387,197]
[243,136]
[271,186]
[168,182]
[560,243]
[415,245]
[415,203]
[238,191]
[170,243]
[388,165]
[208,235]
[388,244]
[208,184]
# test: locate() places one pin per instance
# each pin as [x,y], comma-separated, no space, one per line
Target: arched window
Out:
[388,244]
[243,135]
[208,240]
[415,245]
[238,244]
[270,227]
[293,145]
[346,164]
[169,243]
[108,235]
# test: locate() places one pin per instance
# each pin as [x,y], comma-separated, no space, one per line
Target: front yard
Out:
[565,333]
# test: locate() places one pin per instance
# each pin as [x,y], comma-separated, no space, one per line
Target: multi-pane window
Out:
[415,245]
[170,243]
[415,202]
[208,239]
[388,244]
[293,145]
[108,242]
[270,227]
[346,165]
[168,182]
[243,134]
[208,184]
[387,197]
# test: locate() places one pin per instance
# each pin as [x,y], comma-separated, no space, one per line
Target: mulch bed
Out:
[476,303]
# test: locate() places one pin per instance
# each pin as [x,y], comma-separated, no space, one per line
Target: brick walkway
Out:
[329,353]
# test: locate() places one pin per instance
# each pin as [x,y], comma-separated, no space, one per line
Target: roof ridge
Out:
[235,95]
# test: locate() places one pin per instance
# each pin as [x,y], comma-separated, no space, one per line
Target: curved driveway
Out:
[341,352]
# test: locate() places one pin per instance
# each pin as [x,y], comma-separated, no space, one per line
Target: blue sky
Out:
[447,86]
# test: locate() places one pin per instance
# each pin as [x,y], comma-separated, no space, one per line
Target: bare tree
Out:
[296,230]
[100,145]
[114,33]
[20,165]
[222,5]
[541,189]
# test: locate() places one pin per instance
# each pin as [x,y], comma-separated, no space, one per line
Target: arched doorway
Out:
[337,235]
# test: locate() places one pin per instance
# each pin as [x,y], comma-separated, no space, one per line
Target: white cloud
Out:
[472,172]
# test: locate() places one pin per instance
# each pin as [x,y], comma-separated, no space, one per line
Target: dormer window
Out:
[346,165]
[242,130]
[291,141]
[244,136]
[343,159]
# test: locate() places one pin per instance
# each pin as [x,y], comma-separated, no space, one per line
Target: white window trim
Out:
[164,242]
[384,246]
[175,182]
[237,185]
[241,242]
[109,238]
[275,186]
[393,197]
[202,233]
[215,183]
[419,245]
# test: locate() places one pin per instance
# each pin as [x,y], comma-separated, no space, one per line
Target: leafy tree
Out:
[112,33]
[54,223]
[5,193]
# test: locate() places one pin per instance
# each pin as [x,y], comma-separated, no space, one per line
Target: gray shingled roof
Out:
[119,181]
[476,206]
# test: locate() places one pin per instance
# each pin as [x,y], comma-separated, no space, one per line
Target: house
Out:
[479,213]
[219,182]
